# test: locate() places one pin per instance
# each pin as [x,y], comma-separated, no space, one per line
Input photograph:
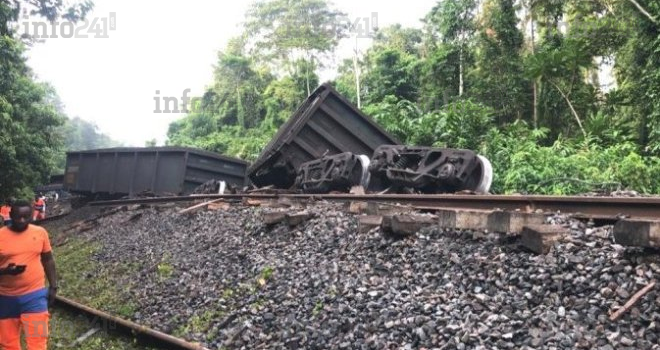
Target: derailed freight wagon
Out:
[160,170]
[330,145]
[325,124]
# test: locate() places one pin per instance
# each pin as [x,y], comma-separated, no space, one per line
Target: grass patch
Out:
[83,280]
[200,323]
[317,308]
[267,273]
[165,270]
[66,327]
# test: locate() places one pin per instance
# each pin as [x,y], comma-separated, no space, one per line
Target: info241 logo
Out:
[97,27]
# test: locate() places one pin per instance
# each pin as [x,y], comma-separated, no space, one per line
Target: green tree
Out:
[450,44]
[29,118]
[287,31]
[392,65]
[27,124]
[499,74]
[345,81]
[11,10]
[244,107]
[638,72]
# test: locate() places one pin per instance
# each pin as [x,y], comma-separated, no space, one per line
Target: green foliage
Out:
[499,75]
[451,27]
[345,81]
[638,72]
[393,66]
[465,125]
[50,10]
[286,32]
[232,140]
[470,79]
[28,122]
[462,124]
[567,166]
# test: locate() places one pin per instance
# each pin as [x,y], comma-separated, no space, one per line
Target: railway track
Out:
[596,207]
[51,218]
[149,337]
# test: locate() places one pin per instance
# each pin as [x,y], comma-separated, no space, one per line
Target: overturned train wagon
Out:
[160,170]
[325,124]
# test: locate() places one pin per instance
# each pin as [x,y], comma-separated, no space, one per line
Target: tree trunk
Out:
[307,78]
[536,104]
[460,72]
[643,11]
[356,70]
[570,105]
[240,116]
[535,87]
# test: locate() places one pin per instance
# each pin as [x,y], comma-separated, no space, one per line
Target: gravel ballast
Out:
[226,280]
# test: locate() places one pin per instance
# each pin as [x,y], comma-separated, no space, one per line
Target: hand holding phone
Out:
[13,270]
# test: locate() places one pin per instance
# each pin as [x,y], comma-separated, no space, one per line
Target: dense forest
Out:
[522,82]
[516,80]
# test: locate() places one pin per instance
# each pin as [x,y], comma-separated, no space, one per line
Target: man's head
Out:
[21,216]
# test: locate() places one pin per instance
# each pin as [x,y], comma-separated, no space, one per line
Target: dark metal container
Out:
[161,170]
[325,124]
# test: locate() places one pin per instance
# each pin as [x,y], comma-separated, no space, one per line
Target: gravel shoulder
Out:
[224,279]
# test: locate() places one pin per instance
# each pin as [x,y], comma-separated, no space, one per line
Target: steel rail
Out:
[639,207]
[166,340]
[51,218]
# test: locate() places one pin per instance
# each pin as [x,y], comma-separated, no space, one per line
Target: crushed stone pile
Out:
[224,279]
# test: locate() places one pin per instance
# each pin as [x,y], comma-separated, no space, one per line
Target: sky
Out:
[160,49]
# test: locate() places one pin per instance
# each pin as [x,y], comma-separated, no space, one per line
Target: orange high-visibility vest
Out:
[39,205]
[4,212]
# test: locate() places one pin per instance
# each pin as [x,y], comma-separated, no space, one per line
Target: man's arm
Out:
[51,273]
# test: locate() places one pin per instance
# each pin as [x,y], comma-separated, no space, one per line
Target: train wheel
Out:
[482,177]
[366,175]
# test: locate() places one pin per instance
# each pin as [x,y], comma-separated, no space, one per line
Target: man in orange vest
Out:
[26,261]
[4,212]
[39,208]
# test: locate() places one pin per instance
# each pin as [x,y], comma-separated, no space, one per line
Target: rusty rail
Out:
[639,207]
[166,340]
[51,218]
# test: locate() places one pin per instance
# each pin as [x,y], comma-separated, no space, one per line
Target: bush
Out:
[523,165]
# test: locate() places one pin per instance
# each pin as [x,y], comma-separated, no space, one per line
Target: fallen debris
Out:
[84,337]
[358,207]
[632,301]
[199,206]
[219,206]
